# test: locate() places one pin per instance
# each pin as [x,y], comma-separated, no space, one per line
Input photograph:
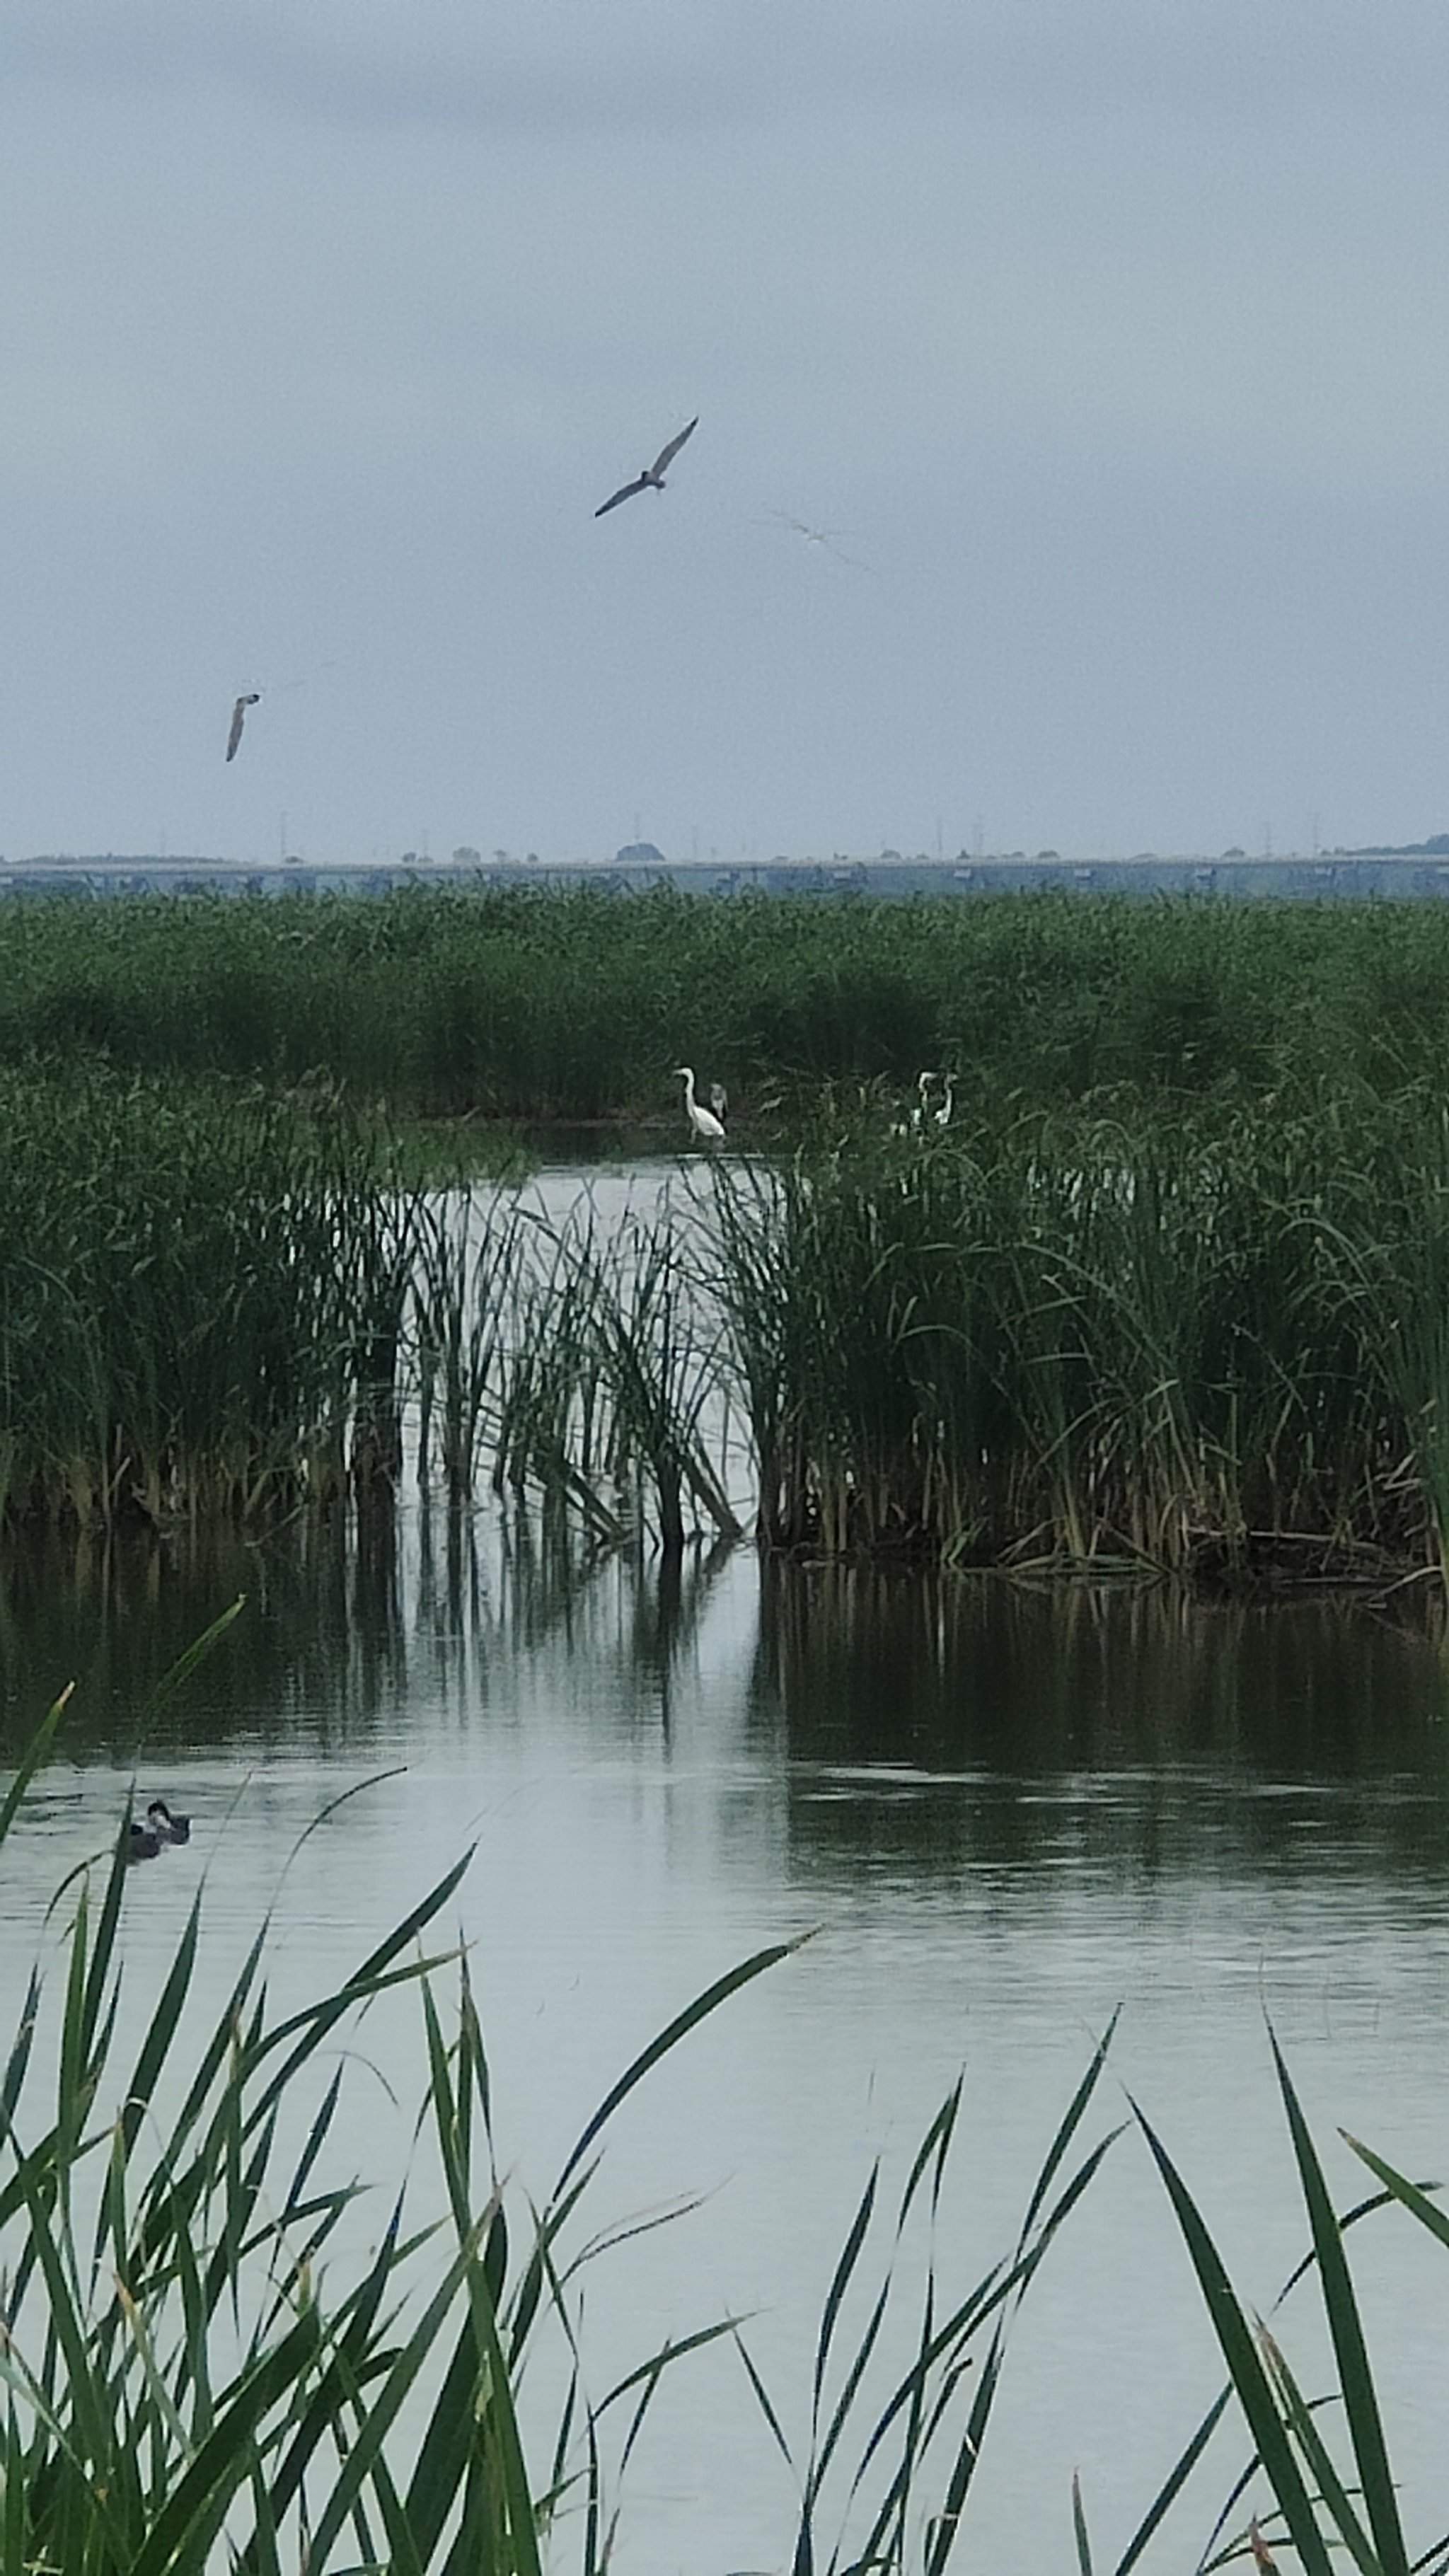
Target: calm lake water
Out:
[1000,1813]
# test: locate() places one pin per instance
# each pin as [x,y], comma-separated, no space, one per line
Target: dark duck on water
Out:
[144,1841]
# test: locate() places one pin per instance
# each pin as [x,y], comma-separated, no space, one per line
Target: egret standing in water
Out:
[707,1127]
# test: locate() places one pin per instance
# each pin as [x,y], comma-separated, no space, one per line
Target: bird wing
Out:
[625,492]
[238,719]
[667,455]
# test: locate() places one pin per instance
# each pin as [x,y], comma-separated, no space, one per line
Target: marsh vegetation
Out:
[519,1004]
[1168,1293]
[1205,1344]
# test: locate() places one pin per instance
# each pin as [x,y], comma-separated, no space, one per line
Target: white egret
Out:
[942,1115]
[652,478]
[706,1125]
[923,1109]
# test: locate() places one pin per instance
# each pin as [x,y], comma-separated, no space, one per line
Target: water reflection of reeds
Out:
[1134,1730]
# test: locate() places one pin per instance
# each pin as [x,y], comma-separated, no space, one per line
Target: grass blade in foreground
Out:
[1360,2400]
[190,2381]
[1319,2511]
[883,2448]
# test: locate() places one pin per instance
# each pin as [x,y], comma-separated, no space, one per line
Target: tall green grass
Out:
[198,1294]
[199,2369]
[194,2373]
[1319,2471]
[221,1306]
[1193,1341]
[1186,1342]
[526,1003]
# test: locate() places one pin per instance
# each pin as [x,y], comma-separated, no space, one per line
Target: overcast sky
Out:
[1105,339]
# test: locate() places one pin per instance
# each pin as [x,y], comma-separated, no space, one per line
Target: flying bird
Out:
[253,698]
[653,475]
[816,537]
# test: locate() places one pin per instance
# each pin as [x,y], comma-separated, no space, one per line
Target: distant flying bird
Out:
[652,477]
[707,1127]
[818,537]
[253,698]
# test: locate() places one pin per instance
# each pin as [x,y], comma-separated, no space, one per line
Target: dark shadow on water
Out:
[1129,1726]
[322,1630]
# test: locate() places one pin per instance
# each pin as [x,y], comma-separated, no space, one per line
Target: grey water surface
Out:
[1000,1813]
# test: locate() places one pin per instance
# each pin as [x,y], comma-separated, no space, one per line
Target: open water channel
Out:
[1001,1813]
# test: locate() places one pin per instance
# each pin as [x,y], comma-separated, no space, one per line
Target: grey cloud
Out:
[649,62]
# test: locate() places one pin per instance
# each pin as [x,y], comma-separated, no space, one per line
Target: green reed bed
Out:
[578,1368]
[217,1306]
[199,1301]
[519,1003]
[1209,1340]
[1168,1342]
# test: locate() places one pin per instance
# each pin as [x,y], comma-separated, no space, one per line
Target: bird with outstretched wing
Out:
[252,698]
[652,478]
